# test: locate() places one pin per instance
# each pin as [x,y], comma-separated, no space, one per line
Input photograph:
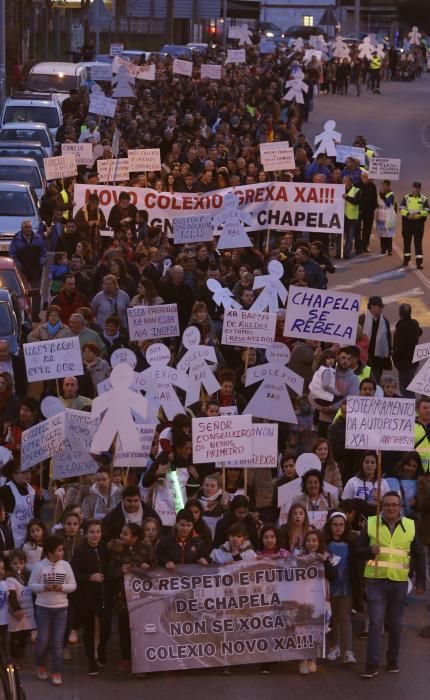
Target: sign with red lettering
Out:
[285,206]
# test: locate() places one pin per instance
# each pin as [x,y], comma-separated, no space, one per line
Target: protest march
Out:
[215,453]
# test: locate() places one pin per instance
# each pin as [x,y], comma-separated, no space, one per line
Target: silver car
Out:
[18,203]
[23,170]
[29,131]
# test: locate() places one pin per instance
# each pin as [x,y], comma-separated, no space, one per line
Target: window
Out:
[308,20]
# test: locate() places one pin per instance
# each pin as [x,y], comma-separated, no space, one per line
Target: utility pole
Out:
[2,51]
[357,18]
[224,24]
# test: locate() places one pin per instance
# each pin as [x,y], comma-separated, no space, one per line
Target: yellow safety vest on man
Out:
[393,559]
[422,444]
[352,211]
[375,63]
[414,204]
[364,373]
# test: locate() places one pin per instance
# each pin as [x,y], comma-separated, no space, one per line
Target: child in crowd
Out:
[21,612]
[341,551]
[182,545]
[237,548]
[51,580]
[59,268]
[269,544]
[294,532]
[210,498]
[36,533]
[4,611]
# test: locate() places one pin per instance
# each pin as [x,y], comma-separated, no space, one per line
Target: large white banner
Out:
[380,424]
[285,206]
[51,359]
[318,314]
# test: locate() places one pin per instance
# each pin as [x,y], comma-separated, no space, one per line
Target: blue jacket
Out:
[29,256]
[315,169]
[354,174]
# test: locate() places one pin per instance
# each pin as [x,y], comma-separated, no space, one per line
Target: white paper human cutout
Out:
[222,296]
[160,380]
[366,48]
[415,36]
[306,461]
[318,43]
[272,400]
[51,405]
[328,139]
[296,87]
[340,48]
[117,406]
[232,220]
[380,51]
[298,44]
[241,32]
[272,288]
[195,362]
[122,83]
[123,355]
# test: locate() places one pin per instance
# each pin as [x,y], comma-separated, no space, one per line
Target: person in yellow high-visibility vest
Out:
[414,209]
[387,549]
[375,65]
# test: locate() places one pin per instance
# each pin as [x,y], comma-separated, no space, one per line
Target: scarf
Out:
[111,338]
[53,330]
[204,500]
[381,341]
[133,517]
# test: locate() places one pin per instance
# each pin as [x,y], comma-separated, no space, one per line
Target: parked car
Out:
[18,203]
[177,51]
[270,30]
[14,280]
[40,109]
[23,170]
[24,149]
[9,326]
[57,77]
[29,131]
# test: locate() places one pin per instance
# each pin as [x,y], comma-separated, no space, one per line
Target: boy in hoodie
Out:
[237,548]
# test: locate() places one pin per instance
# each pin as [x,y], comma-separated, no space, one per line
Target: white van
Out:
[57,77]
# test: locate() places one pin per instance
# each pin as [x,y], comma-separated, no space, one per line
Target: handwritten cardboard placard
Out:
[248,329]
[52,359]
[181,67]
[42,441]
[384,168]
[158,321]
[192,229]
[318,314]
[101,71]
[421,352]
[236,56]
[344,152]
[99,104]
[116,49]
[113,169]
[264,449]
[380,424]
[83,152]
[277,156]
[221,438]
[59,167]
[142,160]
[75,459]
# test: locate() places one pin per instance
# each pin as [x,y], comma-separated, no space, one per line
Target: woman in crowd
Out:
[294,531]
[329,469]
[315,499]
[364,485]
[96,369]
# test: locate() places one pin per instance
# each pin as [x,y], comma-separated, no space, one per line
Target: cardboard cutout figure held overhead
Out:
[366,48]
[296,87]
[117,406]
[415,36]
[195,362]
[159,380]
[241,32]
[232,220]
[272,400]
[328,139]
[273,288]
[298,44]
[340,48]
[222,296]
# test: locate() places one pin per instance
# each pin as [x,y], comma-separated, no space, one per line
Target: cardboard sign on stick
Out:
[319,314]
[221,438]
[52,359]
[158,321]
[142,160]
[277,156]
[374,423]
[195,362]
[83,152]
[59,167]
[248,329]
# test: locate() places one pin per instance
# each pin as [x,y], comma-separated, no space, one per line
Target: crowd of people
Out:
[66,545]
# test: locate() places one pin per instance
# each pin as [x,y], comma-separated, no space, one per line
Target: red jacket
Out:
[70,304]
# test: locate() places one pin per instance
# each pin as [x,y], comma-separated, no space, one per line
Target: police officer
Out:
[388,553]
[375,65]
[414,209]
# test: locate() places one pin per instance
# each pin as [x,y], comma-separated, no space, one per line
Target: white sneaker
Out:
[333,654]
[349,658]
[312,666]
[303,668]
